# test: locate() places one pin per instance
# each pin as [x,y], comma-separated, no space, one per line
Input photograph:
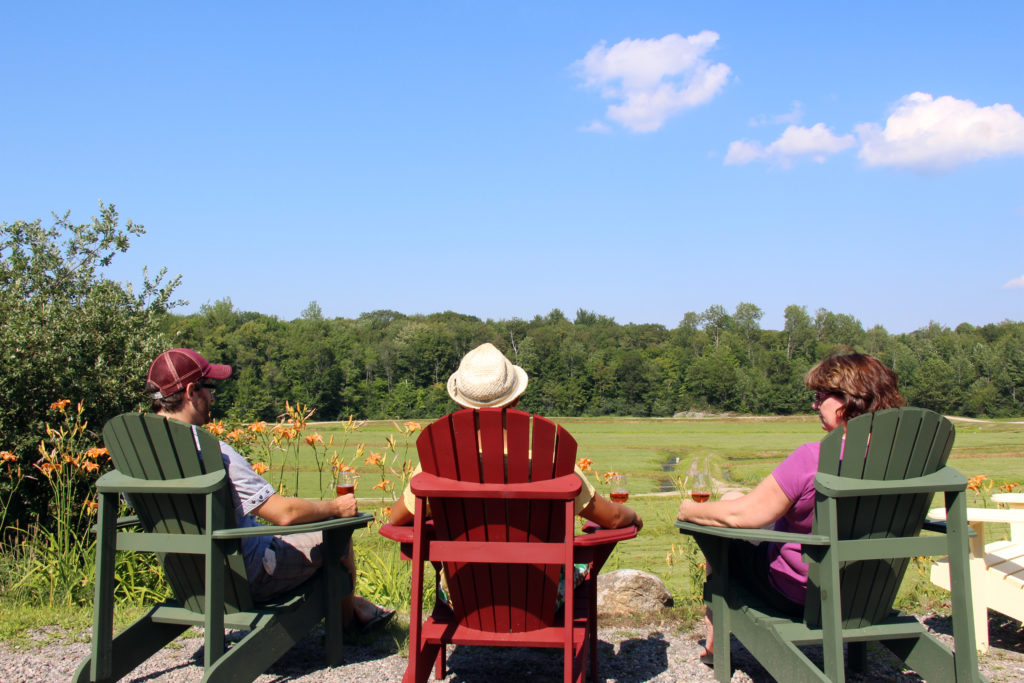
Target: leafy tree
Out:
[66,330]
[799,333]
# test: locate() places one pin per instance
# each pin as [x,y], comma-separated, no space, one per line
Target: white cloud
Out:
[791,117]
[1016,283]
[816,143]
[938,134]
[654,79]
[596,127]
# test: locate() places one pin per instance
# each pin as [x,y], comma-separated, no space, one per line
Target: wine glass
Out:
[345,482]
[700,486]
[619,488]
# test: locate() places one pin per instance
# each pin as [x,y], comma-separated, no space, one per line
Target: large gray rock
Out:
[630,591]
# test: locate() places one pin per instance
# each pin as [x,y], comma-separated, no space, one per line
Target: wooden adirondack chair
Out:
[997,569]
[872,496]
[501,501]
[184,507]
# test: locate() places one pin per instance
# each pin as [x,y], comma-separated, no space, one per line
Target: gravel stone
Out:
[655,652]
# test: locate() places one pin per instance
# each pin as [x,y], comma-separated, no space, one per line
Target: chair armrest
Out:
[994,515]
[941,527]
[595,535]
[561,488]
[752,534]
[401,534]
[121,523]
[357,522]
[117,482]
[945,479]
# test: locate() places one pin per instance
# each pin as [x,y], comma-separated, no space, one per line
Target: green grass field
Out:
[657,453]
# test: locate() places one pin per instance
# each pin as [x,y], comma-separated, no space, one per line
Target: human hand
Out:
[345,506]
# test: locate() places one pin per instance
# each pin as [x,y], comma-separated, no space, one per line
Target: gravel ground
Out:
[642,653]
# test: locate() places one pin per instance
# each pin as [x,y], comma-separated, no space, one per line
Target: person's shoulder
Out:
[804,458]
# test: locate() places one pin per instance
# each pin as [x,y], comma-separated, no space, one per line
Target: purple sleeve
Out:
[795,474]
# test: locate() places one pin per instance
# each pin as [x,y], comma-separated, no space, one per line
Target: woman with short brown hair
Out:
[844,387]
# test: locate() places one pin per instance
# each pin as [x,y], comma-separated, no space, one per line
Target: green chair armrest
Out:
[946,479]
[752,534]
[116,482]
[121,523]
[357,522]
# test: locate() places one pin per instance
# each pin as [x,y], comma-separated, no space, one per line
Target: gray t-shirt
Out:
[248,491]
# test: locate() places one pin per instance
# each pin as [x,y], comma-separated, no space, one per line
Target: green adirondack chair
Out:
[184,508]
[872,497]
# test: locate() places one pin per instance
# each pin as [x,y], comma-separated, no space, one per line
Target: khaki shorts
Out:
[288,561]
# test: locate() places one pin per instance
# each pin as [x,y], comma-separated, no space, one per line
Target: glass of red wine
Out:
[619,489]
[700,489]
[345,483]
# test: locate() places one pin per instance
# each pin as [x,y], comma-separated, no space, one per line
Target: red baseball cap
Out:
[173,370]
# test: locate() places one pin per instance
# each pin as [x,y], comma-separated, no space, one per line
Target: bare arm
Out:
[286,511]
[610,515]
[400,515]
[764,505]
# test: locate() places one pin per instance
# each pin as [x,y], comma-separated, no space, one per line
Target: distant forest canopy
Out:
[385,364]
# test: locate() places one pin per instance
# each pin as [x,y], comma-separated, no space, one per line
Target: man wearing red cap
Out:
[180,388]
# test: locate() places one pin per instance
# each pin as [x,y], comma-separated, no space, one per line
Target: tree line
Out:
[386,364]
[67,331]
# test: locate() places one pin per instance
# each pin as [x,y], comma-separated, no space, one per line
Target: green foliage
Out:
[386,365]
[69,332]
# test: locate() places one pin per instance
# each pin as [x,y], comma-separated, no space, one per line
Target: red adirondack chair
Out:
[503,526]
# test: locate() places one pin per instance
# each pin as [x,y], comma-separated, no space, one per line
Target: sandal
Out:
[381,616]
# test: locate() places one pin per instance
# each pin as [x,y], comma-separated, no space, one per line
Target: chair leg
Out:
[856,656]
[132,647]
[439,668]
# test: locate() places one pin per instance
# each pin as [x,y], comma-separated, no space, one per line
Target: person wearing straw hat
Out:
[487,379]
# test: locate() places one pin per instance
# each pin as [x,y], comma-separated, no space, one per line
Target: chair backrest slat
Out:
[497,446]
[151,447]
[892,444]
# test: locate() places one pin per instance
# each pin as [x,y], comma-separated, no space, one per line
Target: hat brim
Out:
[217,371]
[500,402]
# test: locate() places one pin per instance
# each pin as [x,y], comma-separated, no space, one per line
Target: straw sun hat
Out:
[486,379]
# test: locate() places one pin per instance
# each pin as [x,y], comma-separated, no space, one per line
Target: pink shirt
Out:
[795,475]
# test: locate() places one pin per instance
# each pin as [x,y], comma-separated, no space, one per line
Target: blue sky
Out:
[639,160]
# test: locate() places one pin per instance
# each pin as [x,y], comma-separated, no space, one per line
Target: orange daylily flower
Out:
[973,483]
[1009,487]
[374,459]
[90,506]
[313,439]
[95,453]
[413,427]
[382,485]
[608,475]
[216,427]
[585,464]
[236,434]
[60,405]
[260,467]
[7,456]
[88,466]
[258,427]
